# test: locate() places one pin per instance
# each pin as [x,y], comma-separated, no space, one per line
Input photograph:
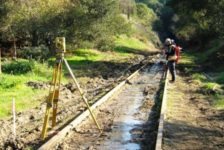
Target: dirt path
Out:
[192,123]
[129,120]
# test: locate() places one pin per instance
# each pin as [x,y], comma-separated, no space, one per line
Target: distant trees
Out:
[28,22]
[146,14]
[198,20]
[83,22]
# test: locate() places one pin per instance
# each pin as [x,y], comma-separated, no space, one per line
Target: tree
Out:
[198,19]
[36,22]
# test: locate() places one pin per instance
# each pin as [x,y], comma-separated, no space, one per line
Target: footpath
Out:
[192,123]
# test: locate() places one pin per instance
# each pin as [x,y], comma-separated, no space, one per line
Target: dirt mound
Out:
[38,85]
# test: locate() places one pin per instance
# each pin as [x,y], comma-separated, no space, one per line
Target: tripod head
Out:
[60,47]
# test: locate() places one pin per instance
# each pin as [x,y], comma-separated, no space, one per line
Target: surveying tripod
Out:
[53,98]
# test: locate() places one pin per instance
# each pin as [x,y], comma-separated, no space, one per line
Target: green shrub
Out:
[218,101]
[145,13]
[17,67]
[210,85]
[105,44]
[199,77]
[41,52]
[86,44]
[8,81]
[42,70]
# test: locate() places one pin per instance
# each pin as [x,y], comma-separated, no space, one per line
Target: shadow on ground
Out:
[180,134]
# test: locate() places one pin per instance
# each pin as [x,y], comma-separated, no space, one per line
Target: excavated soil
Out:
[129,120]
[29,123]
[192,122]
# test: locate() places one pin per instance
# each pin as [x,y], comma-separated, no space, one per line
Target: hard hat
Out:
[168,41]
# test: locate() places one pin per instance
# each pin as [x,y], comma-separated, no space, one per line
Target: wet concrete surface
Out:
[121,137]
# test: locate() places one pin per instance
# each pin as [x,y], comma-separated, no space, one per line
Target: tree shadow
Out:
[219,116]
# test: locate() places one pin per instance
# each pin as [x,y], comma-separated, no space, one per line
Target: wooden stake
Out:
[14,118]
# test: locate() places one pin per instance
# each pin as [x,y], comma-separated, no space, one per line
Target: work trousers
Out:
[171,67]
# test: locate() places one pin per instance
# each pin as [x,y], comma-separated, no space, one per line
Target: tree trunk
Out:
[14,49]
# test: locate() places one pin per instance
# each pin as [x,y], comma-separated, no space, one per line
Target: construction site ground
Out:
[29,123]
[192,122]
[129,120]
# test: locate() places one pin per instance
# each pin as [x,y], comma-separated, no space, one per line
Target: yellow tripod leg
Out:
[46,119]
[56,95]
[49,103]
[55,107]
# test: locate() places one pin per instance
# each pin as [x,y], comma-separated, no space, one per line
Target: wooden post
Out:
[14,118]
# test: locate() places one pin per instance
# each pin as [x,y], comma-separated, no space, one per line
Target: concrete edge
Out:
[159,140]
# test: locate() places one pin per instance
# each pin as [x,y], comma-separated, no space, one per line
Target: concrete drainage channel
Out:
[128,114]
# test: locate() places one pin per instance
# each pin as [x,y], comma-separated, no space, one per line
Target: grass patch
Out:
[130,45]
[210,85]
[218,101]
[14,86]
[26,98]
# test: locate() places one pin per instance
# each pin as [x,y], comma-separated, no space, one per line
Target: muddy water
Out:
[130,115]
